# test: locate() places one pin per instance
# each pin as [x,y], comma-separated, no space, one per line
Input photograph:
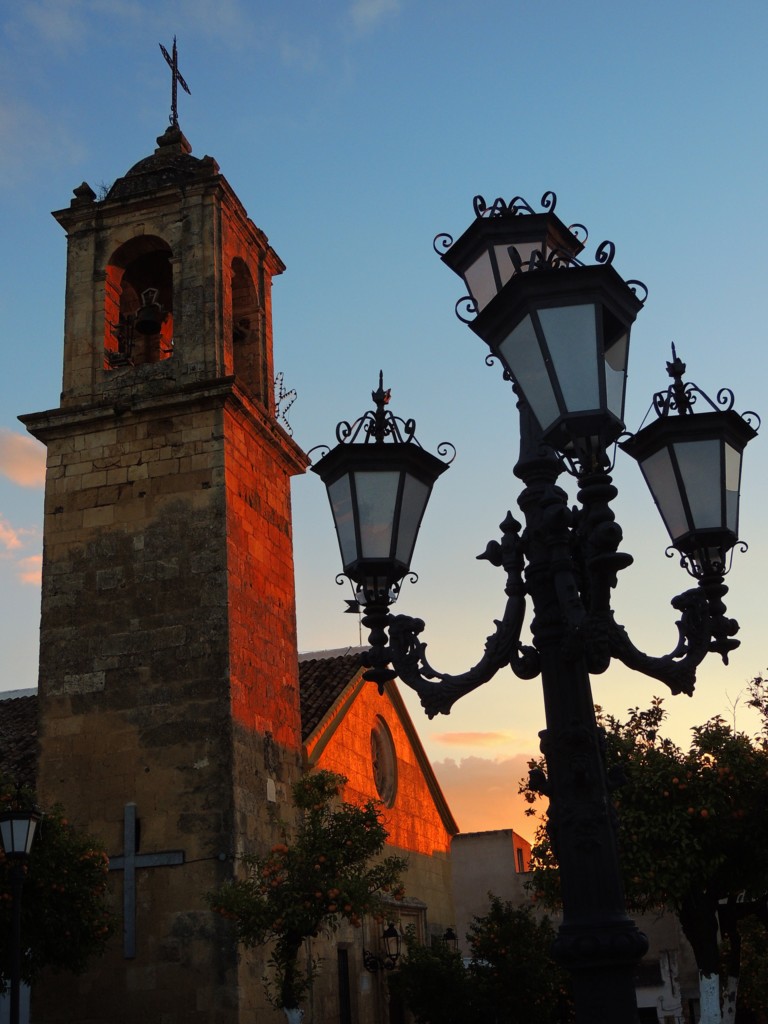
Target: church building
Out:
[170,719]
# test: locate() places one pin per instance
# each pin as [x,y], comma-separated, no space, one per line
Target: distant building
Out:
[667,983]
[483,862]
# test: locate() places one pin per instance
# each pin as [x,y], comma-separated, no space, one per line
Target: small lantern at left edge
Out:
[17,831]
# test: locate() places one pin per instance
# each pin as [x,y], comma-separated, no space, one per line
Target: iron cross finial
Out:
[173,64]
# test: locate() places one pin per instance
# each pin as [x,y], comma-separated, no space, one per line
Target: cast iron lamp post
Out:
[17,833]
[561,330]
[391,941]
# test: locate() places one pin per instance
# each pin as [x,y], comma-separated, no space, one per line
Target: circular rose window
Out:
[384,762]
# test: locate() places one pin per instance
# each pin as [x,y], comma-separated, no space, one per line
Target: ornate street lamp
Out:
[17,833]
[563,338]
[561,330]
[391,940]
[692,465]
[379,480]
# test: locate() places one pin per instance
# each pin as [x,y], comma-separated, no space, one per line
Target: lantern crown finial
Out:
[682,396]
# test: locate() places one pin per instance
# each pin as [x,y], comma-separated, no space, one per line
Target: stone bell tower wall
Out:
[168,665]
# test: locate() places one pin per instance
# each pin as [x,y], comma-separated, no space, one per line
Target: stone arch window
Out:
[384,761]
[247,347]
[138,303]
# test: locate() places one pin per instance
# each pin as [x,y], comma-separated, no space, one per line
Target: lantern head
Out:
[692,465]
[379,480]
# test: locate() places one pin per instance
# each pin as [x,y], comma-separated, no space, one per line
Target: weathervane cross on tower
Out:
[176,79]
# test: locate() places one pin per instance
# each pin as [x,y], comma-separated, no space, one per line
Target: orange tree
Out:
[692,825]
[433,982]
[65,911]
[326,870]
[512,967]
[509,977]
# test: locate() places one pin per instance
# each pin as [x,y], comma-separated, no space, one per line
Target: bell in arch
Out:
[151,315]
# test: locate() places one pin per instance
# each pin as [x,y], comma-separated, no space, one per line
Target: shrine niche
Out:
[138,303]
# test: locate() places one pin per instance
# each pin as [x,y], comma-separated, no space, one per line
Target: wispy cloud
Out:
[63,26]
[22,459]
[483,793]
[58,24]
[13,541]
[305,56]
[30,570]
[366,14]
[29,138]
[230,20]
[473,739]
[10,539]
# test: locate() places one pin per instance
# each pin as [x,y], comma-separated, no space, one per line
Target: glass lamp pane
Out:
[699,464]
[480,280]
[660,475]
[6,834]
[376,499]
[415,497]
[571,333]
[616,375]
[20,829]
[340,496]
[504,263]
[732,483]
[522,354]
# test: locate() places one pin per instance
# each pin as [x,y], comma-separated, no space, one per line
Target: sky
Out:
[354,131]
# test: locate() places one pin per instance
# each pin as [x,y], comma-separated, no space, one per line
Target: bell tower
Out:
[169,706]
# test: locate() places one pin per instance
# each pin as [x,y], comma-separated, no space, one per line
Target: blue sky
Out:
[354,131]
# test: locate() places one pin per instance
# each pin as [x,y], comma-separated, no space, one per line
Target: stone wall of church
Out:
[367,738]
[412,817]
[167,679]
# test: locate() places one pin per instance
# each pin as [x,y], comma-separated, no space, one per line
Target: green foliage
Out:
[322,873]
[690,821]
[510,977]
[66,915]
[511,962]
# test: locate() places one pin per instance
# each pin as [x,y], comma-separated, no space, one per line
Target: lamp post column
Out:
[17,881]
[597,942]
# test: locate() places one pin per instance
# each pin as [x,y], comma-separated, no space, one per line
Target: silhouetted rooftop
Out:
[18,739]
[171,163]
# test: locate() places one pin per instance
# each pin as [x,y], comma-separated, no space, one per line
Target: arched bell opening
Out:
[138,303]
[248,357]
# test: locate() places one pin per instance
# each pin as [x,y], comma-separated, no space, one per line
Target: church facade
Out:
[170,720]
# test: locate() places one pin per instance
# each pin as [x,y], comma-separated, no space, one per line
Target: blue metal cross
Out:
[130,860]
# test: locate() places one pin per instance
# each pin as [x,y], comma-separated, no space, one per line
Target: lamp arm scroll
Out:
[438,690]
[676,669]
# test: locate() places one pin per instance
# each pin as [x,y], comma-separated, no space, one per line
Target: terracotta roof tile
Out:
[321,682]
[18,740]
